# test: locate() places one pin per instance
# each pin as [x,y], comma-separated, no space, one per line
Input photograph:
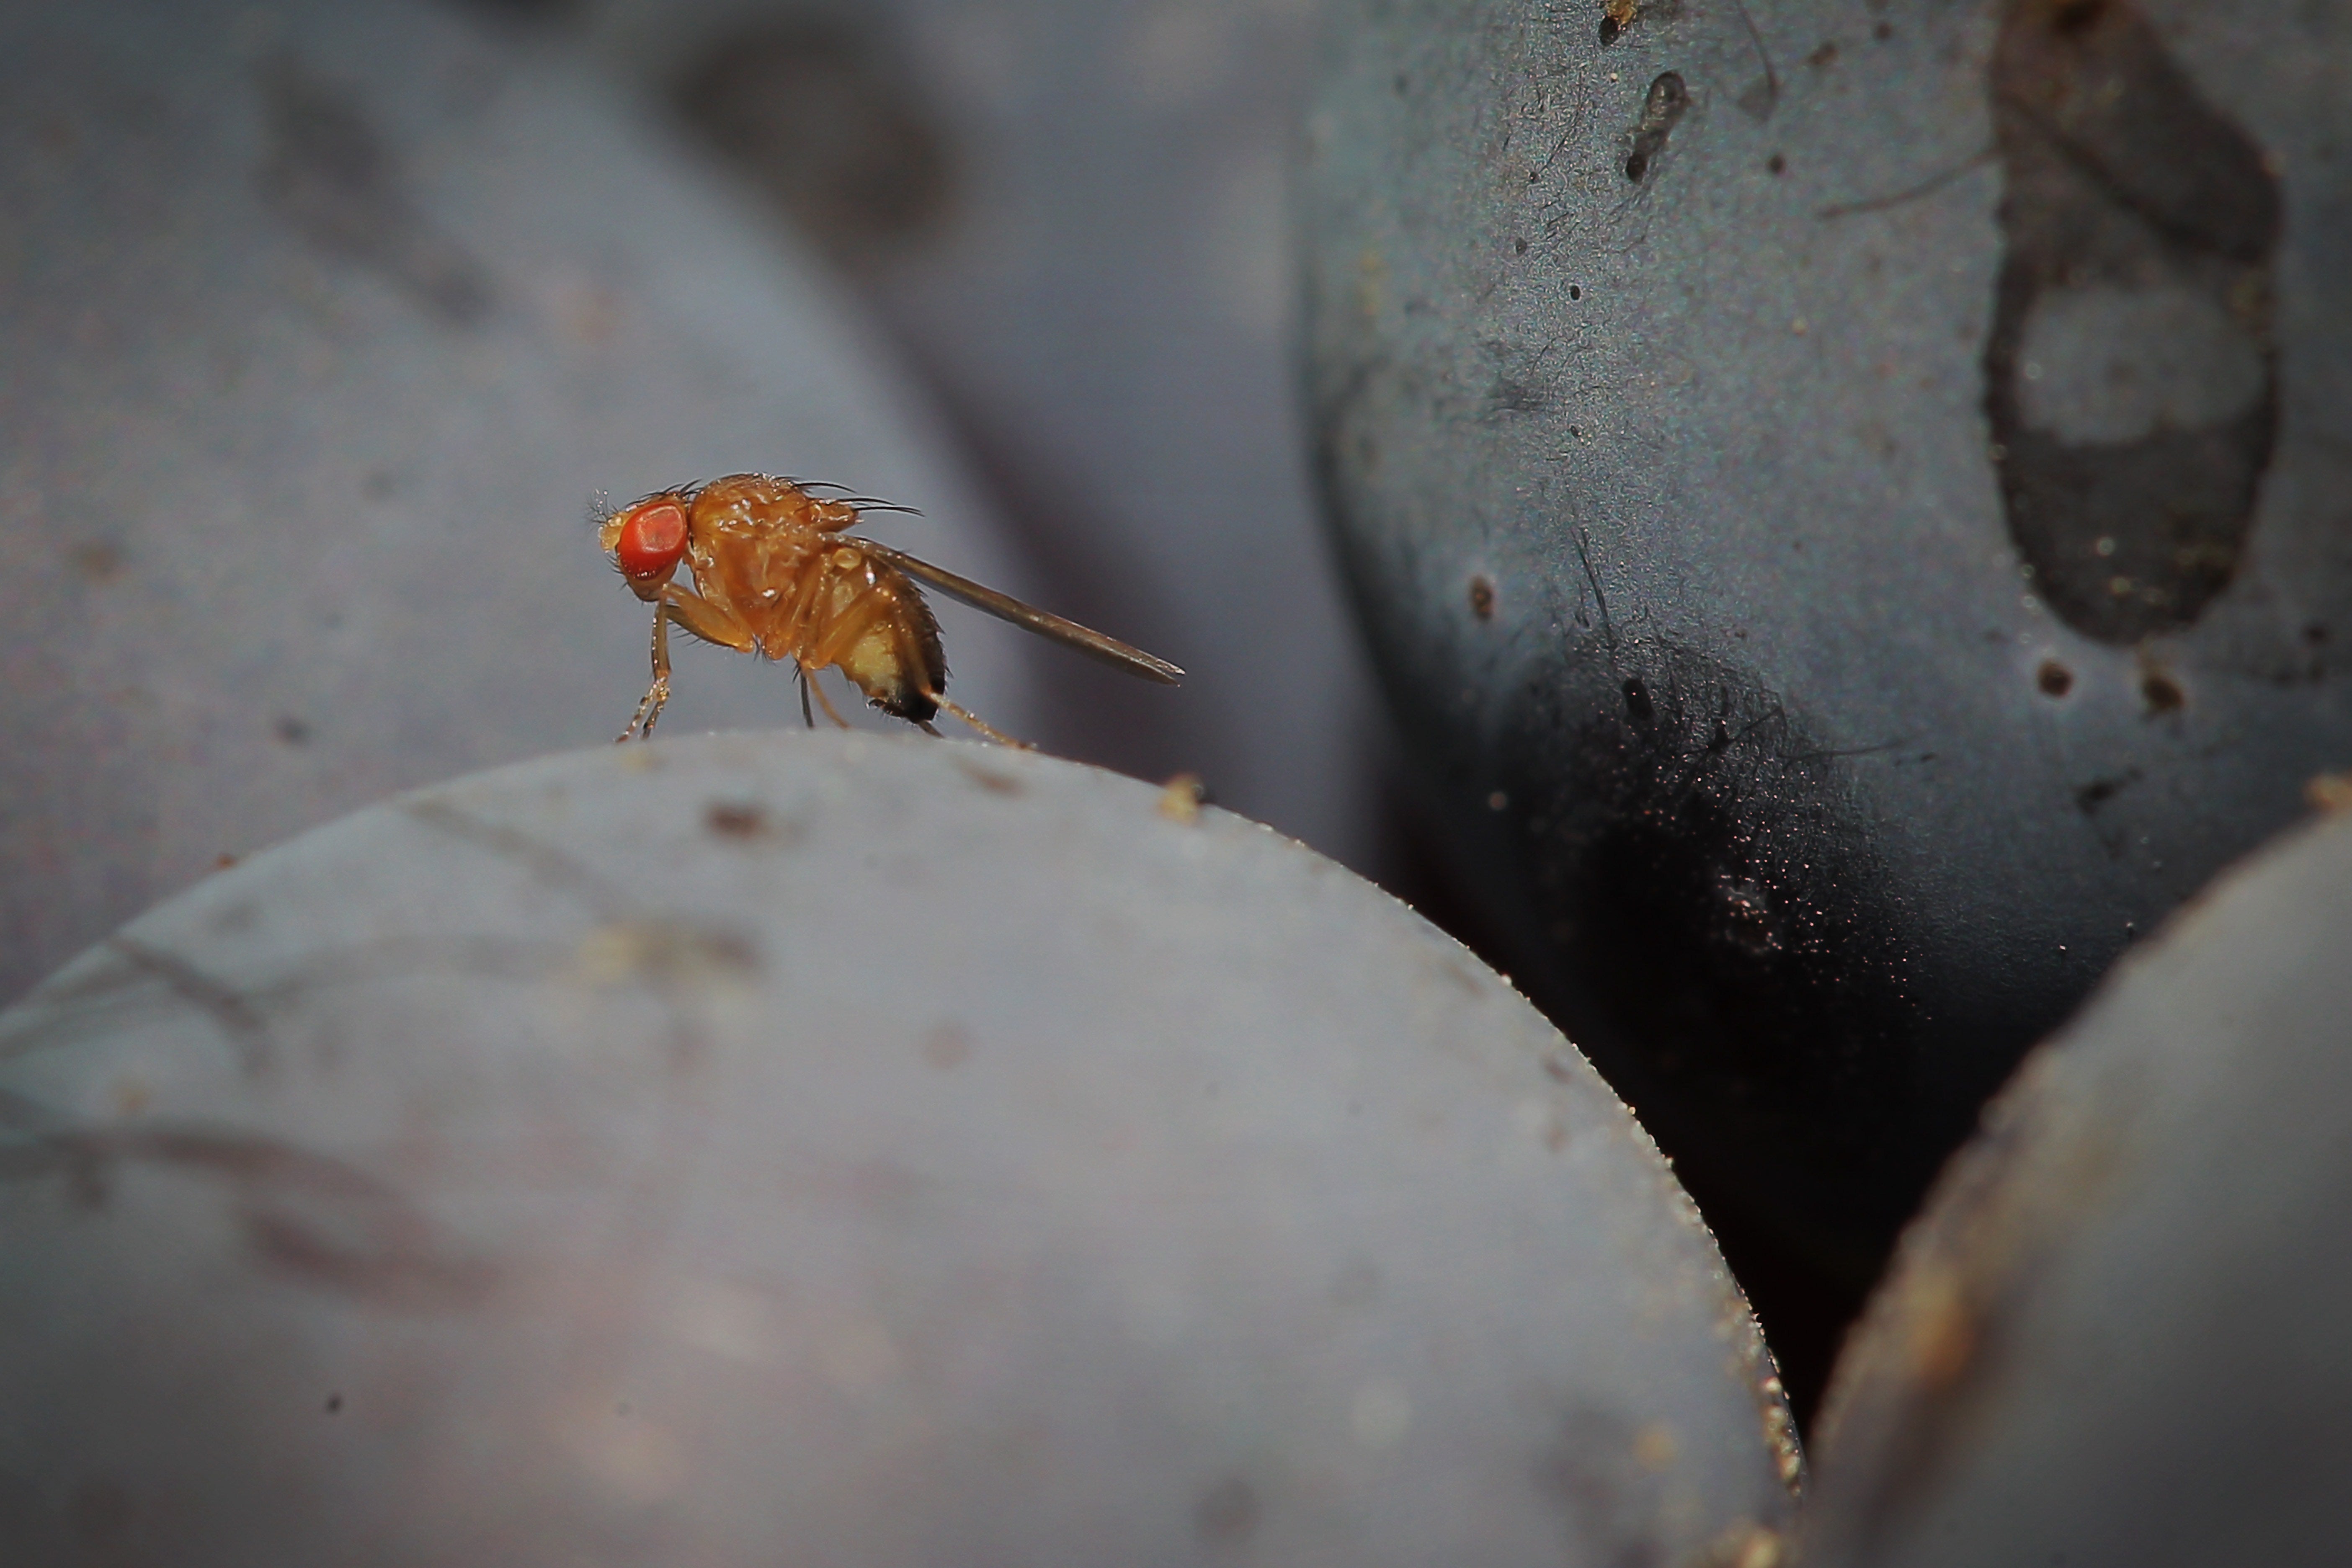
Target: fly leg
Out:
[892,605]
[808,684]
[698,618]
[848,626]
[641,724]
[910,660]
[976,722]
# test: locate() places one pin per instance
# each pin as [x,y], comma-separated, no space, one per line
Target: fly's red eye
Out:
[653,536]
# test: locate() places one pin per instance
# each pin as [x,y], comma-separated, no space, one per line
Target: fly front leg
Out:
[697,616]
[641,724]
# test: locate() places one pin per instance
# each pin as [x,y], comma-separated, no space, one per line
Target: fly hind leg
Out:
[976,722]
[909,670]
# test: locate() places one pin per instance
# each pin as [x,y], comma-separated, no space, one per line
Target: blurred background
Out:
[321,328]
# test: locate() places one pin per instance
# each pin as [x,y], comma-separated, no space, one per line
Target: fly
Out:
[777,574]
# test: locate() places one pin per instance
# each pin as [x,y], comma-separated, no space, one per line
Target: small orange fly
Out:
[776,574]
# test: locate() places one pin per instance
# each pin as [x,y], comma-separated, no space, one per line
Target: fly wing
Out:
[1005,607]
